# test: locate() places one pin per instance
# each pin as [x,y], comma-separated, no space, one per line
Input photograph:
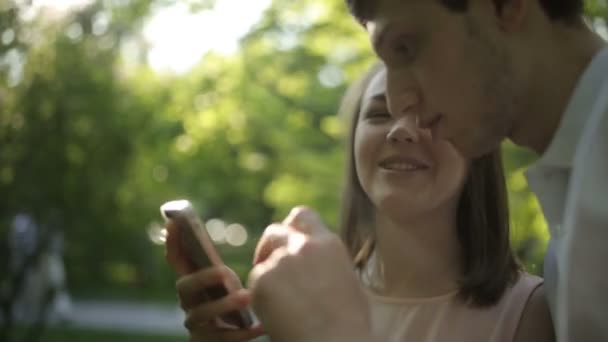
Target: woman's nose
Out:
[404,129]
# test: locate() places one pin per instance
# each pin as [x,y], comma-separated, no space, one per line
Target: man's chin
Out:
[471,149]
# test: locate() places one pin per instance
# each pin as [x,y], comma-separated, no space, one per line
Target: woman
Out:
[429,235]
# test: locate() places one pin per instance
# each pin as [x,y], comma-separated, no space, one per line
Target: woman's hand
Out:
[202,316]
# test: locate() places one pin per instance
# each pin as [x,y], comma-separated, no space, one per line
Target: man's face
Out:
[448,68]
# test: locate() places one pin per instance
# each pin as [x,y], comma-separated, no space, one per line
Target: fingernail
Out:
[243,297]
[292,215]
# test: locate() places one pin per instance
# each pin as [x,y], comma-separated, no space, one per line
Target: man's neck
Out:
[559,66]
[418,258]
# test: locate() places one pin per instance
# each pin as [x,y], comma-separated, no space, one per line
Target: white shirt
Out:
[571,183]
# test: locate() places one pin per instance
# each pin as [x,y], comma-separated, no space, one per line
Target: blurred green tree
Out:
[66,121]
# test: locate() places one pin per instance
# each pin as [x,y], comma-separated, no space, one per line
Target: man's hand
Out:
[304,285]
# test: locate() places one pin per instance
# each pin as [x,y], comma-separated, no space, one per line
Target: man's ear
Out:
[511,13]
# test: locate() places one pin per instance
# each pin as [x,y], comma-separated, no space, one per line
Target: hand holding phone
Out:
[200,250]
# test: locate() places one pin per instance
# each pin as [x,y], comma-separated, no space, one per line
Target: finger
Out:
[201,315]
[262,269]
[306,221]
[174,254]
[274,237]
[232,280]
[190,287]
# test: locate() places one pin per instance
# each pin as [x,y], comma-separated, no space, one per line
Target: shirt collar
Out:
[560,152]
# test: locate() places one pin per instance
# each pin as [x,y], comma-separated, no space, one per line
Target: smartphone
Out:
[199,247]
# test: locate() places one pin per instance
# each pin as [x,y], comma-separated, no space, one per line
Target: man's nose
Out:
[402,94]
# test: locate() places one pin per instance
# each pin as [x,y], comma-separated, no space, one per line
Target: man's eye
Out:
[404,48]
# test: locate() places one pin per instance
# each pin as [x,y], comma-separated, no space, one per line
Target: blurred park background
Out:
[108,108]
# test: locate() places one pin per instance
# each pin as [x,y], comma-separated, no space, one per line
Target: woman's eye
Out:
[376,116]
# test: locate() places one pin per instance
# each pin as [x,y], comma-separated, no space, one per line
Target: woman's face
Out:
[402,169]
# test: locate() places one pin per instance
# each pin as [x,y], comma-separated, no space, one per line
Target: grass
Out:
[57,334]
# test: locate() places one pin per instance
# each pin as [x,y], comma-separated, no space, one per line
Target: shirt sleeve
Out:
[582,301]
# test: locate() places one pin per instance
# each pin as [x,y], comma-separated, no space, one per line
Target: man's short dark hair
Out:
[565,10]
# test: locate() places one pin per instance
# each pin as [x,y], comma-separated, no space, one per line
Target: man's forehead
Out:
[367,10]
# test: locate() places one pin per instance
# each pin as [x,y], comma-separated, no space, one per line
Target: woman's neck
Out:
[417,257]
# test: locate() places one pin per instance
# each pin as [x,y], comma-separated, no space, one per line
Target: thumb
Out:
[306,221]
[275,236]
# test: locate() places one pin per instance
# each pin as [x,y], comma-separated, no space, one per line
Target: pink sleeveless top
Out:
[447,319]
